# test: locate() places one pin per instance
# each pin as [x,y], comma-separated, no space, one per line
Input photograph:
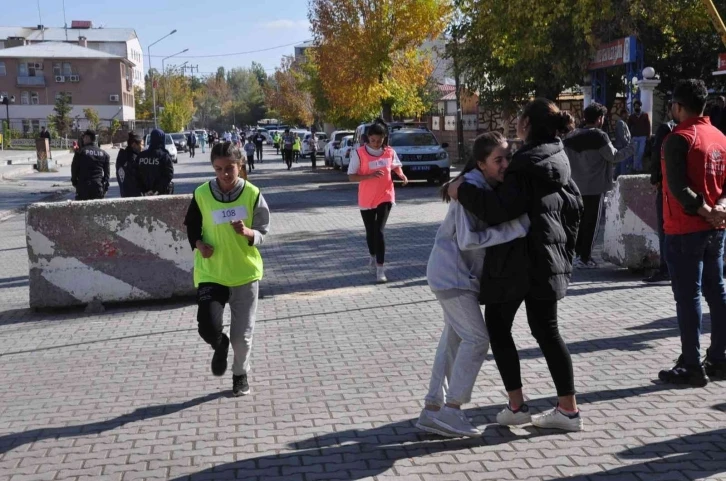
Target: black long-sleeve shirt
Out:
[656,176]
[675,150]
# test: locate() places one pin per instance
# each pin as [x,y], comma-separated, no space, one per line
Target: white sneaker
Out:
[381,275]
[372,264]
[507,417]
[426,423]
[556,419]
[455,421]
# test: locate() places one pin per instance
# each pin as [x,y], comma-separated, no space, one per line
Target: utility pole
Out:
[457,82]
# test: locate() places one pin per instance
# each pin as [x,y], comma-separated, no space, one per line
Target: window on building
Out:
[25,98]
[3,72]
[57,68]
[34,99]
[67,69]
[22,69]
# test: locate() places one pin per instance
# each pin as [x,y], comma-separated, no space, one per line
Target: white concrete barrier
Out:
[631,238]
[108,250]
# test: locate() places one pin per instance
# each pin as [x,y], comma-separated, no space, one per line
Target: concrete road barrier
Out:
[108,250]
[631,236]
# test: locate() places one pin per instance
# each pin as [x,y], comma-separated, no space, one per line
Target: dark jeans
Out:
[695,262]
[192,150]
[542,318]
[661,233]
[287,157]
[313,159]
[258,149]
[211,299]
[588,226]
[375,222]
[251,161]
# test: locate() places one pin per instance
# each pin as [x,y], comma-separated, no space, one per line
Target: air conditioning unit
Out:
[38,66]
[60,78]
[113,98]
[75,78]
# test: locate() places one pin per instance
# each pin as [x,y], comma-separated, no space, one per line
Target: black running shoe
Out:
[240,387]
[658,279]
[716,370]
[682,375]
[219,360]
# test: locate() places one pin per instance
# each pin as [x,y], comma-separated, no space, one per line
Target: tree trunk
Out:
[387,111]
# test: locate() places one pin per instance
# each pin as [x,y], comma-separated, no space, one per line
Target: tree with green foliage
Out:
[114,128]
[61,119]
[91,114]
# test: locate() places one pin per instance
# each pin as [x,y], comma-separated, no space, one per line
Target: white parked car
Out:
[341,155]
[168,145]
[333,144]
[320,140]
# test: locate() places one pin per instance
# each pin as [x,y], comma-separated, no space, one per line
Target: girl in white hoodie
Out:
[454,268]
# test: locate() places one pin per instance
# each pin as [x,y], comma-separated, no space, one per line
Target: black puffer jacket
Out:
[537,183]
[126,173]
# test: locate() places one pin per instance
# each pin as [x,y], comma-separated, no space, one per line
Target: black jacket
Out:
[538,183]
[126,173]
[155,171]
[656,175]
[90,171]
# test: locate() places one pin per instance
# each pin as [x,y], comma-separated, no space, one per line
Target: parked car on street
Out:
[168,145]
[320,140]
[180,142]
[333,144]
[341,155]
[422,156]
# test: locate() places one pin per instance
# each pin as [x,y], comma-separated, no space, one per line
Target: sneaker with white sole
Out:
[507,417]
[381,275]
[556,419]
[426,423]
[455,421]
[372,264]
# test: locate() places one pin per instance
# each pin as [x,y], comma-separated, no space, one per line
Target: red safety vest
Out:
[374,192]
[706,173]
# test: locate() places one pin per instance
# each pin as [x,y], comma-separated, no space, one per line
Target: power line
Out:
[237,53]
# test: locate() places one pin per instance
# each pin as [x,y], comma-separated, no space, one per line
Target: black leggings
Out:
[542,318]
[192,149]
[588,226]
[258,149]
[375,222]
[211,299]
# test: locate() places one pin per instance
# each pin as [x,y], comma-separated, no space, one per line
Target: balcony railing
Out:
[31,81]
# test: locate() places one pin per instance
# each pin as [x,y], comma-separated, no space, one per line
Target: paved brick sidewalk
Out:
[340,366]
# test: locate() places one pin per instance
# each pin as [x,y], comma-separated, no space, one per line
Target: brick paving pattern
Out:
[339,369]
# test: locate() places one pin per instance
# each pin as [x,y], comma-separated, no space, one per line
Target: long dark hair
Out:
[546,120]
[484,145]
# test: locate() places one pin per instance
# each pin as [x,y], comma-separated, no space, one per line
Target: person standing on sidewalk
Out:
[371,166]
[453,272]
[313,146]
[622,140]
[640,129]
[192,143]
[126,167]
[90,169]
[661,276]
[288,141]
[535,270]
[592,158]
[694,212]
[226,222]
[250,152]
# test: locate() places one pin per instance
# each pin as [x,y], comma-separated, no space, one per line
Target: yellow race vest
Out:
[234,262]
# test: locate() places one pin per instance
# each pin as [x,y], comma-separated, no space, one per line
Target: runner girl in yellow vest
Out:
[226,221]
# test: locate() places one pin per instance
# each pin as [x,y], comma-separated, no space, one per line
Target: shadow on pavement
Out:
[14,440]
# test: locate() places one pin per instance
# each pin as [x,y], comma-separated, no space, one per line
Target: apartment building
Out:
[34,75]
[122,42]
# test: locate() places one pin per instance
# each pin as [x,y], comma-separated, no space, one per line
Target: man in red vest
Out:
[694,217]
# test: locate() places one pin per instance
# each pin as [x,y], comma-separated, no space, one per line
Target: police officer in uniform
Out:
[126,164]
[90,169]
[155,169]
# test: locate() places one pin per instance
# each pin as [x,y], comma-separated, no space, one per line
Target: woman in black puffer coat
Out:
[536,269]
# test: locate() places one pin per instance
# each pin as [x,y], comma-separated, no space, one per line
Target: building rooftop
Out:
[55,34]
[56,50]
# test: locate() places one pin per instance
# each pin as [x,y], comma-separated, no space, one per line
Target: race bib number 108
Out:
[225,216]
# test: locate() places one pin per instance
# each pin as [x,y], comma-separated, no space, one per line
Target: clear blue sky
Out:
[205,28]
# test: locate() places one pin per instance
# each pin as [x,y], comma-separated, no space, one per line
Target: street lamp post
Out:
[163,70]
[6,101]
[153,89]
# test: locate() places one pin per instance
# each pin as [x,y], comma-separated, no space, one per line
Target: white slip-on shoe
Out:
[556,419]
[507,417]
[381,275]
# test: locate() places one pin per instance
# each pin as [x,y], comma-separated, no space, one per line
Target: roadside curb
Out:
[21,171]
[54,197]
